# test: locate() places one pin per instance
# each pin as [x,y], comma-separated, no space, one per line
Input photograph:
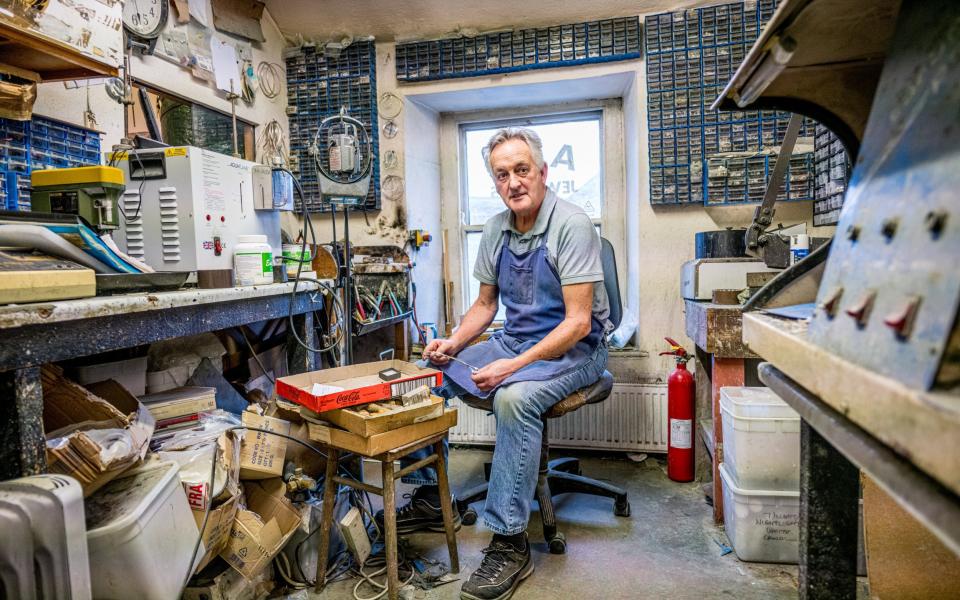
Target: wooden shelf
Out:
[51,59]
[922,426]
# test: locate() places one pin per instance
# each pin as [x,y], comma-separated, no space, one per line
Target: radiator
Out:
[633,418]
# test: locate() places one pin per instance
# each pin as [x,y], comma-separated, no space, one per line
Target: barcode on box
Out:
[402,387]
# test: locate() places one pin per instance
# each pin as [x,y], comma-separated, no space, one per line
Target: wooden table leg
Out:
[329,499]
[725,372]
[447,508]
[390,525]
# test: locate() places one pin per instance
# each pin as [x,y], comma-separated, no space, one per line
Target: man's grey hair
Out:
[515,133]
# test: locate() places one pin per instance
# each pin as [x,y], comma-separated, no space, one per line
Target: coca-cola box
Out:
[328,389]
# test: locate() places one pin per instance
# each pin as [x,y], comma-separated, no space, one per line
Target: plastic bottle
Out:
[252,261]
[799,247]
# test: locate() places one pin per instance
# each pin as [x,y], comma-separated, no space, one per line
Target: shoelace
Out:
[494,560]
[408,507]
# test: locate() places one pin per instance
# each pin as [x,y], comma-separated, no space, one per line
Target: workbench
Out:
[722,359]
[853,418]
[40,333]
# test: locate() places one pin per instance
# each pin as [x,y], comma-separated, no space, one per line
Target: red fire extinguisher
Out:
[680,392]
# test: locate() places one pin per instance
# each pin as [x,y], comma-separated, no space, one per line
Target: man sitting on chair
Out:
[541,257]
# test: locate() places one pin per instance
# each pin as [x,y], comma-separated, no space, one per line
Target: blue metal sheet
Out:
[887,246]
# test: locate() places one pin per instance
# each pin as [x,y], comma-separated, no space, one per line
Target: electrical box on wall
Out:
[184,207]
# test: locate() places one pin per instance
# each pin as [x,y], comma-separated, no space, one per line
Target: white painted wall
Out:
[421,171]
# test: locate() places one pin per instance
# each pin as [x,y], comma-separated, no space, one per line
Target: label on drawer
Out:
[680,433]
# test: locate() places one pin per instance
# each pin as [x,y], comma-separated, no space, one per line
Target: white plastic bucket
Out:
[763,525]
[761,439]
[141,533]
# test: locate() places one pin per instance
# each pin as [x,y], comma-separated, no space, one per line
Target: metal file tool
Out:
[472,368]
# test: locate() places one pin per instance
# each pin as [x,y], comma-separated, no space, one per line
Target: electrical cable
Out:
[114,159]
[270,76]
[273,145]
[340,313]
[255,357]
[284,570]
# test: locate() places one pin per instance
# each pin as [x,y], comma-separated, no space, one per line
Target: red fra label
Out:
[196,495]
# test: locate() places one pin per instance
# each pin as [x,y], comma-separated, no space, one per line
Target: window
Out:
[574,152]
[184,123]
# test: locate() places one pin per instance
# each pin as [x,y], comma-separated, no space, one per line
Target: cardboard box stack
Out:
[369,408]
[231,467]
[93,434]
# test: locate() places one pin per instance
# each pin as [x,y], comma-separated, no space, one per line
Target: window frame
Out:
[612,219]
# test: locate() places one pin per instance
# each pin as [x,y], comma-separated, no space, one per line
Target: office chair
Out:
[563,475]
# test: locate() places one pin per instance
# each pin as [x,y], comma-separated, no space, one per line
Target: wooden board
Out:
[716,328]
[28,277]
[382,442]
[356,421]
[921,426]
[51,59]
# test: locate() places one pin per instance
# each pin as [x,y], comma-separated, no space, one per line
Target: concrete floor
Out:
[668,547]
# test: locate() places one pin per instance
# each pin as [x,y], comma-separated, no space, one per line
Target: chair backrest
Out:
[610,281]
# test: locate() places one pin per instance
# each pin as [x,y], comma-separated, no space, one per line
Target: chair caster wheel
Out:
[558,544]
[469,517]
[621,508]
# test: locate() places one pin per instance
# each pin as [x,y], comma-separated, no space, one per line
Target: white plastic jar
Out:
[252,261]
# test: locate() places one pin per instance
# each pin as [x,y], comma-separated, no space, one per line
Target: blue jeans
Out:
[516,456]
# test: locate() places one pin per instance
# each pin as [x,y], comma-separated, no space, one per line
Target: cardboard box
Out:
[382,442]
[355,421]
[262,528]
[904,559]
[262,454]
[217,532]
[357,384]
[220,581]
[71,413]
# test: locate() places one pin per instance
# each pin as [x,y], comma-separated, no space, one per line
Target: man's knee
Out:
[512,401]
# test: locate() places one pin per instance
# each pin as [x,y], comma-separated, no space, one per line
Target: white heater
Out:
[43,548]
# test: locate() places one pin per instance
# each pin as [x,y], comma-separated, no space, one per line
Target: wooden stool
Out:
[388,491]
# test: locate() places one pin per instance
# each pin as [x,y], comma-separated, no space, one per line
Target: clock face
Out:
[145,18]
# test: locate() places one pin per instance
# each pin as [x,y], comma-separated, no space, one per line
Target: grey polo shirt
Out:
[573,248]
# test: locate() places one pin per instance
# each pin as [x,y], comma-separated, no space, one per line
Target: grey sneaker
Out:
[504,566]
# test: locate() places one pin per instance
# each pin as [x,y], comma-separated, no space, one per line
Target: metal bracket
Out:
[757,236]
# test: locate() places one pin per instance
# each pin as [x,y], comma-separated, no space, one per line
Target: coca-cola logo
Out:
[349,398]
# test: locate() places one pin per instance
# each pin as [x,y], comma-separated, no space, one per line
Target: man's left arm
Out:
[578,300]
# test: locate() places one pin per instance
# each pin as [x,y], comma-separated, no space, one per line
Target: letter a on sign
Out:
[564,157]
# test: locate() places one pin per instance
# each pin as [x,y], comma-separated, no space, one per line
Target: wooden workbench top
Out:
[924,427]
[19,315]
[716,328]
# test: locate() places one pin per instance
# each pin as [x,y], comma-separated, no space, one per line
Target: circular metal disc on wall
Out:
[390,130]
[392,187]
[390,105]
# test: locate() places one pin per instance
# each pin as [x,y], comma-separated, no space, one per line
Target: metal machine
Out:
[343,153]
[88,192]
[185,207]
[701,276]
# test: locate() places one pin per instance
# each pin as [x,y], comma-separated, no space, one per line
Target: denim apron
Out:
[533,298]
